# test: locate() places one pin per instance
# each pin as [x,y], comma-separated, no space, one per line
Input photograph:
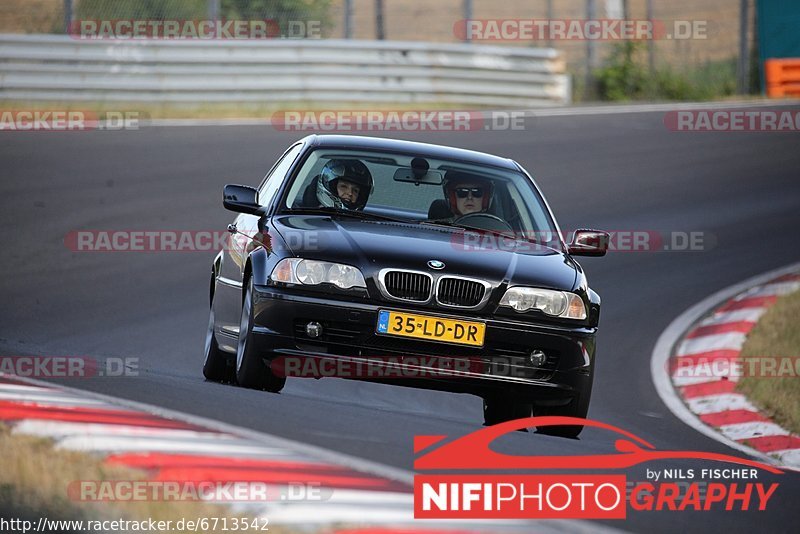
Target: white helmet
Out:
[350,170]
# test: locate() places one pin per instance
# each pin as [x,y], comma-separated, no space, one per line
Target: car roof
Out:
[411,147]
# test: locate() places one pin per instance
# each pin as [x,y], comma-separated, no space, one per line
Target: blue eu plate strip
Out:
[383,322]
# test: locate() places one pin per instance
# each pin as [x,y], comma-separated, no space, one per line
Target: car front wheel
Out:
[216,366]
[577,407]
[499,409]
[251,369]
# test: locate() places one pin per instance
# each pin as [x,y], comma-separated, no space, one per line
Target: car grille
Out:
[460,292]
[415,287]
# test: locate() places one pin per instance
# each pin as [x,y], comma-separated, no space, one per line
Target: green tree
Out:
[281,11]
[623,77]
[141,9]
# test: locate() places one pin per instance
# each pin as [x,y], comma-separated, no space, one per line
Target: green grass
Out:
[777,334]
[626,77]
[220,111]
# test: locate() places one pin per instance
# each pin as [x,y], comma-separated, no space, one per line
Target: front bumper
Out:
[500,367]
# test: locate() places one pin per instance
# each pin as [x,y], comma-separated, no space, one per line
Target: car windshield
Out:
[421,190]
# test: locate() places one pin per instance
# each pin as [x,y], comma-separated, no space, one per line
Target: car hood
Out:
[374,245]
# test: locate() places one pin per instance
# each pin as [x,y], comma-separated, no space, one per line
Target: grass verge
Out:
[626,77]
[777,335]
[35,476]
[265,111]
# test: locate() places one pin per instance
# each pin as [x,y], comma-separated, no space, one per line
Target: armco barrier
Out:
[45,67]
[783,77]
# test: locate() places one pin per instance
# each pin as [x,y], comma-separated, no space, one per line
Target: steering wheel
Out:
[484,221]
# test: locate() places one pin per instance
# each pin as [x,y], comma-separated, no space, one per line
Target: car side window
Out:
[275,178]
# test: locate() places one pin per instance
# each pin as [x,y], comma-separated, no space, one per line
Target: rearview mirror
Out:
[241,199]
[589,243]
[429,177]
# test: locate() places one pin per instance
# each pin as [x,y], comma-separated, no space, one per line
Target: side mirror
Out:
[589,243]
[241,199]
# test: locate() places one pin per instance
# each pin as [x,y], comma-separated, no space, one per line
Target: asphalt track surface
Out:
[615,172]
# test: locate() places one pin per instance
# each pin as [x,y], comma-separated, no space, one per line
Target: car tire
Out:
[216,366]
[251,370]
[501,409]
[577,407]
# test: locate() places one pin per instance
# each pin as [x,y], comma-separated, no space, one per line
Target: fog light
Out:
[313,329]
[537,358]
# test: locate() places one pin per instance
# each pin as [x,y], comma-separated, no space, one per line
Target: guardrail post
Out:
[591,14]
[348,19]
[380,31]
[744,54]
[651,55]
[213,9]
[67,16]
[467,8]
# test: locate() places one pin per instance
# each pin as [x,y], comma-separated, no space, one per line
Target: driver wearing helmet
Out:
[466,193]
[344,184]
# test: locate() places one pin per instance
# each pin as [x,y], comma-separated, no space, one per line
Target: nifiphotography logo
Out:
[483,490]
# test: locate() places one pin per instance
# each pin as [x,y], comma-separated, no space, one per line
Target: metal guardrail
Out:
[49,67]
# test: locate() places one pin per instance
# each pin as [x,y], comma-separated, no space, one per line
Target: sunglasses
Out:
[463,192]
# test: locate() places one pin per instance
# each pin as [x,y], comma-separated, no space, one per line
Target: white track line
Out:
[697,345]
[701,376]
[750,315]
[49,399]
[743,431]
[790,457]
[777,289]
[703,372]
[676,329]
[43,396]
[720,403]
[115,444]
[62,429]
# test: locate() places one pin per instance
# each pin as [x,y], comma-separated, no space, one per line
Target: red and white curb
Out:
[701,369]
[171,446]
[169,449]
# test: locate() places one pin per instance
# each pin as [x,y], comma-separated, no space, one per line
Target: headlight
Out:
[553,303]
[312,272]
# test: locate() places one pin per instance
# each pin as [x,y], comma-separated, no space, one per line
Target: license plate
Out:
[431,328]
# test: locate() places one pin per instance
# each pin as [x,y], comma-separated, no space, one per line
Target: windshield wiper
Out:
[362,215]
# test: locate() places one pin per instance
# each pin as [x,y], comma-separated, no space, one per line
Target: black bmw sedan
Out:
[410,264]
